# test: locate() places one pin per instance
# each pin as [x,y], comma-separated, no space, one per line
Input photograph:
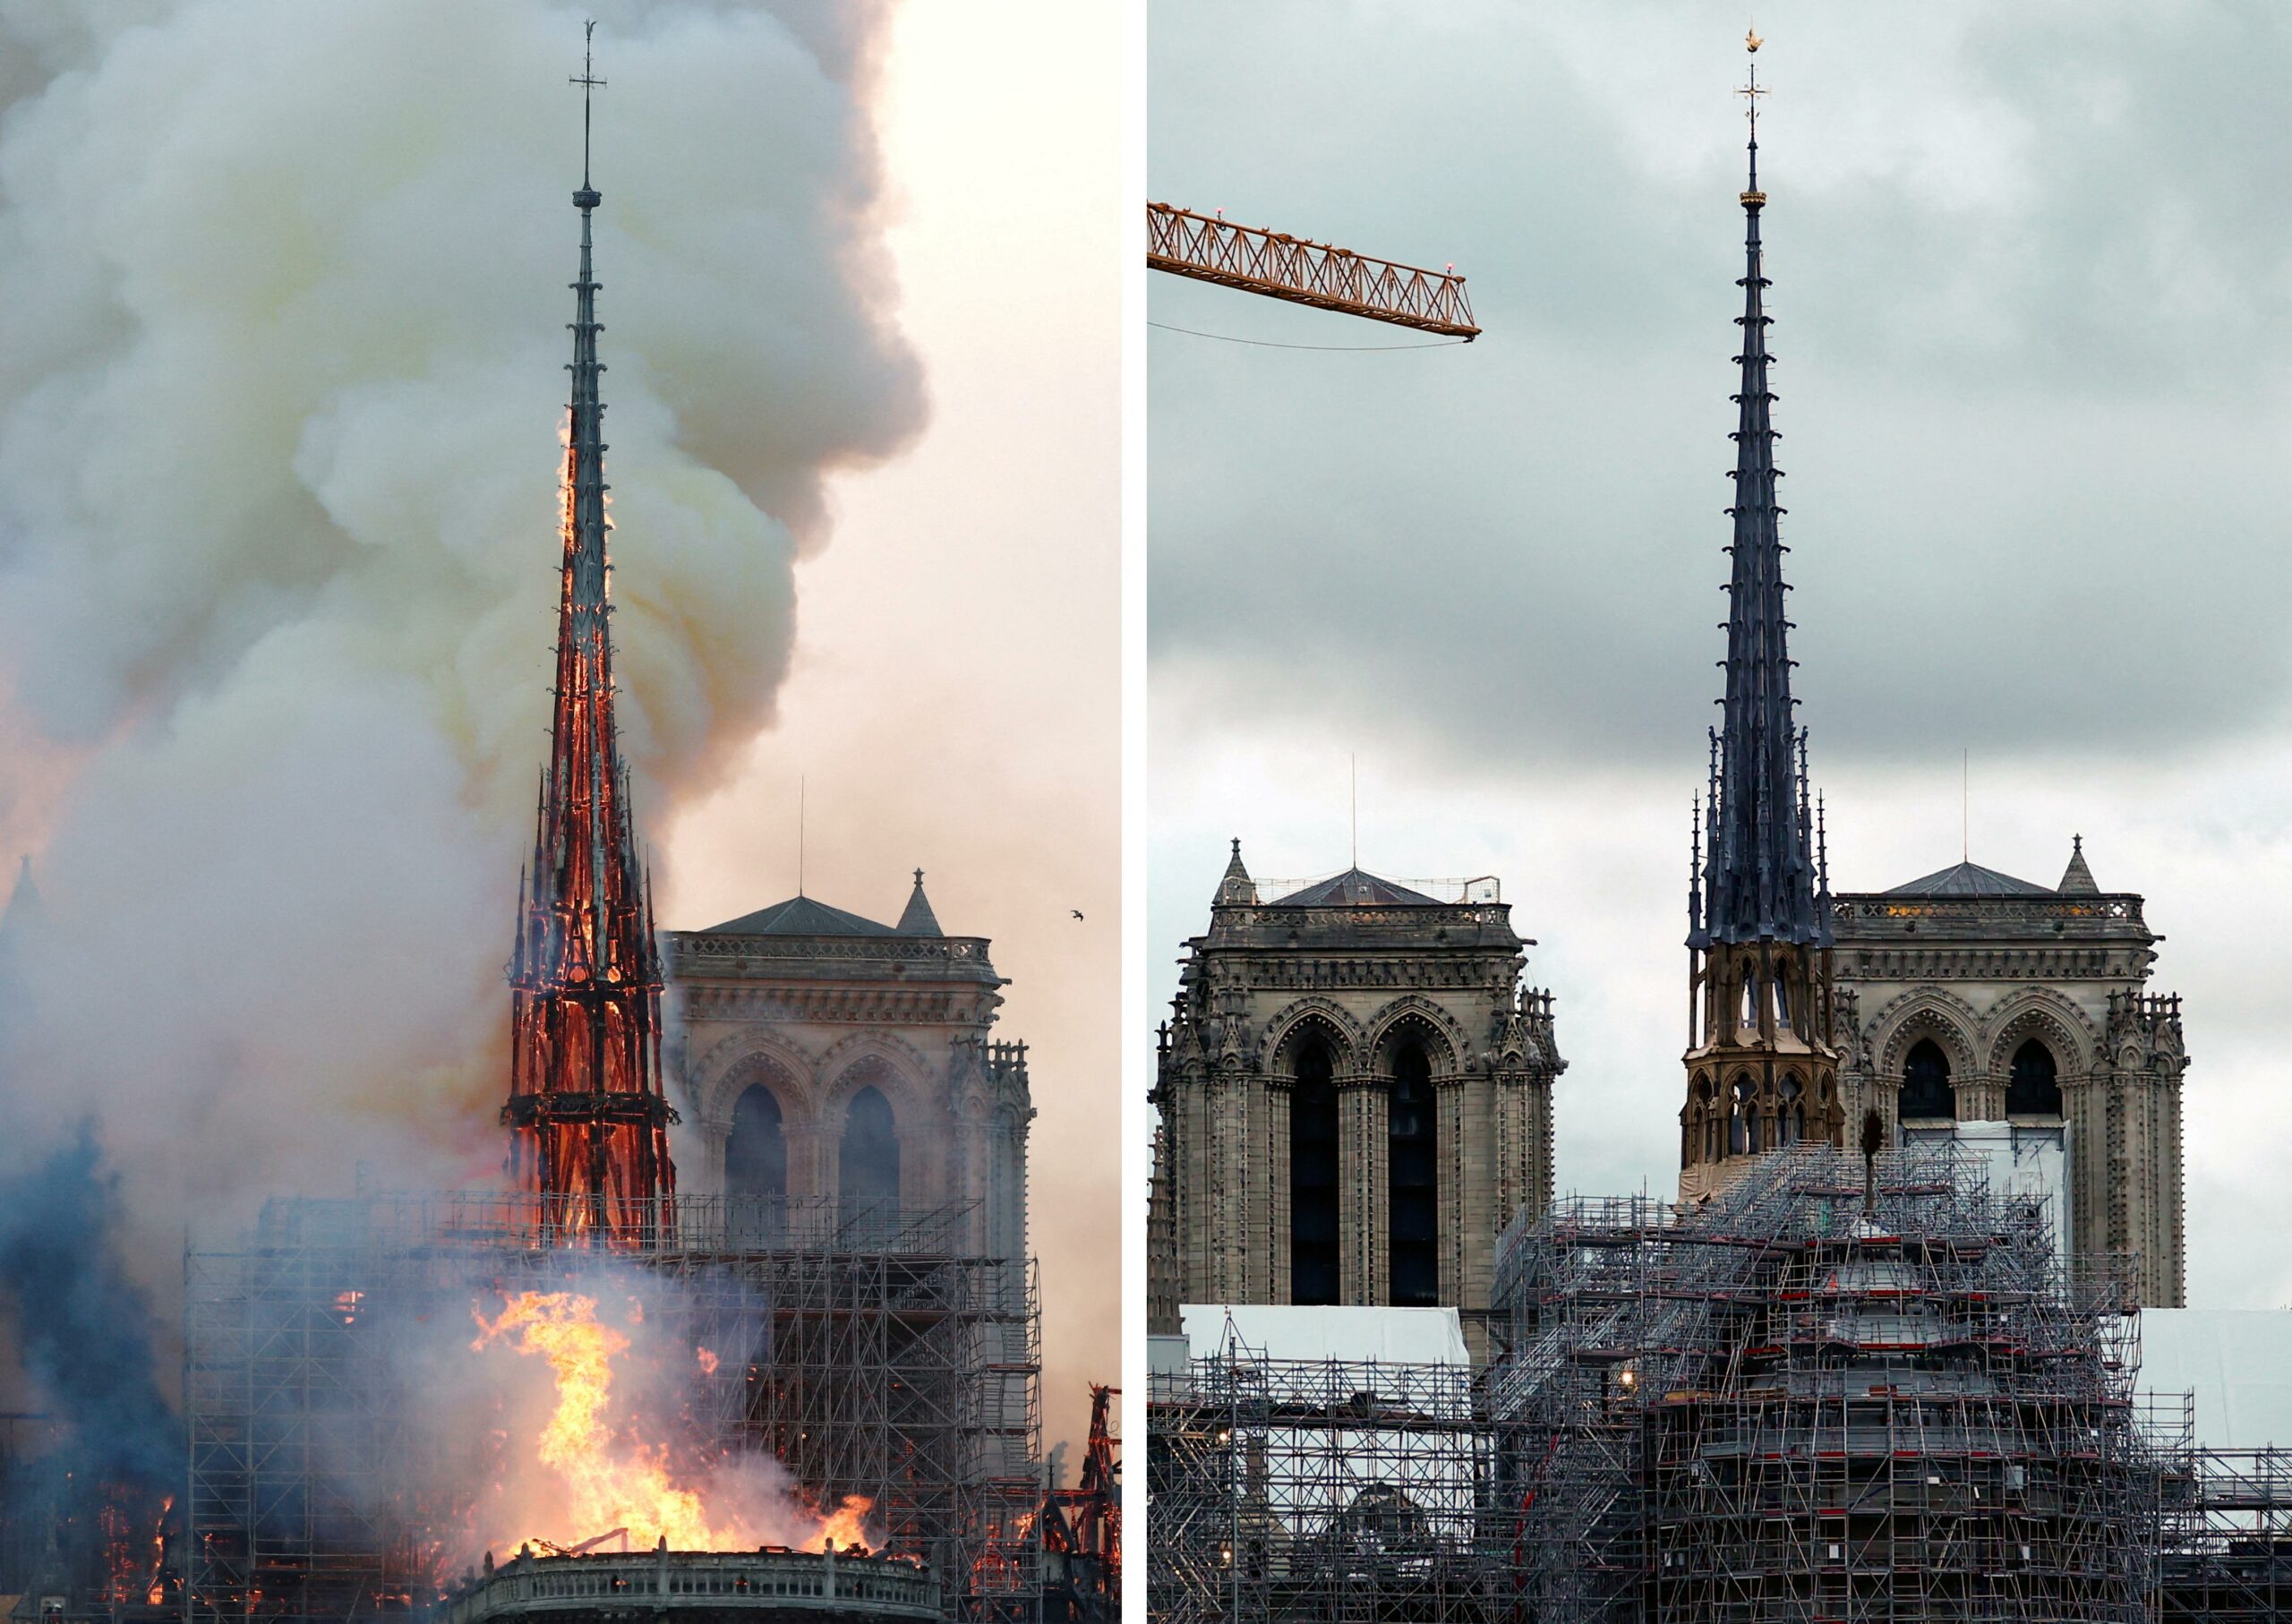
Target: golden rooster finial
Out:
[1751,41]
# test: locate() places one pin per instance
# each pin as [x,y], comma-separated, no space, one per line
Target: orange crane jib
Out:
[1210,250]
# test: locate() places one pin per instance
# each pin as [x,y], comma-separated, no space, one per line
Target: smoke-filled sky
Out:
[281,373]
[2032,272]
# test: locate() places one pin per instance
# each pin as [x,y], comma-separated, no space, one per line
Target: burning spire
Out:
[588,1120]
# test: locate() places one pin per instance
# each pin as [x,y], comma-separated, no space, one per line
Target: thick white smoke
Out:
[281,376]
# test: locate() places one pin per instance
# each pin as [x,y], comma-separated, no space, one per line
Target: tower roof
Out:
[2077,879]
[1762,877]
[803,916]
[918,919]
[1968,879]
[1234,886]
[1356,888]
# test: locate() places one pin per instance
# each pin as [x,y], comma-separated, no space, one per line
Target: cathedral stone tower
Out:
[826,1057]
[1761,1071]
[1970,996]
[1355,1095]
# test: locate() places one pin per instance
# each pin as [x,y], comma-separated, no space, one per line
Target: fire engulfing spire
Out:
[588,1121]
[1760,879]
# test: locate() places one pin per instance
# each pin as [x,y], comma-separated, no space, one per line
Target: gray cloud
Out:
[2030,293]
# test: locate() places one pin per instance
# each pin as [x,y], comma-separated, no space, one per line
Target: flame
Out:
[707,1360]
[610,1478]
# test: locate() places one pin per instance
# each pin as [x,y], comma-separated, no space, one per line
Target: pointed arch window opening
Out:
[755,1168]
[1313,1141]
[867,1166]
[2033,1084]
[1927,1093]
[1743,1118]
[1791,1121]
[1413,1171]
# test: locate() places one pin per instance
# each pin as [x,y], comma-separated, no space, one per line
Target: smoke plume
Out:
[282,374]
[83,1328]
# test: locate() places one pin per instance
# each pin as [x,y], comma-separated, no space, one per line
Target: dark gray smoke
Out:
[85,1329]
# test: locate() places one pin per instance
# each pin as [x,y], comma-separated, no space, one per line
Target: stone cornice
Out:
[692,954]
[837,1005]
[1861,917]
[1894,958]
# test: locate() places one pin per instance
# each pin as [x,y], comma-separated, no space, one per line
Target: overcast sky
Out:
[2033,270]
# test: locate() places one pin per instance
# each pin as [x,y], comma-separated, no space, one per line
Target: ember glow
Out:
[589,1472]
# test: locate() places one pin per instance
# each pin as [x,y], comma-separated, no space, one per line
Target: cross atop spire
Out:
[1759,862]
[1750,92]
[589,81]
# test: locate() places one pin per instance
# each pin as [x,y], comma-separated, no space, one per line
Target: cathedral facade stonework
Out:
[1970,996]
[1354,1098]
[824,1056]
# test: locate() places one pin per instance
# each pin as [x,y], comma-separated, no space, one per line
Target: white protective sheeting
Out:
[2238,1361]
[1396,1335]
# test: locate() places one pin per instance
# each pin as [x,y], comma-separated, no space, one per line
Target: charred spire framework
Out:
[588,1115]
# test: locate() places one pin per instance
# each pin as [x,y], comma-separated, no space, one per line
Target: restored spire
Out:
[588,1119]
[1762,1070]
[1759,883]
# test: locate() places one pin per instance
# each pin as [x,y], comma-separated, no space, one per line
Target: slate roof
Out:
[800,916]
[1355,888]
[1969,879]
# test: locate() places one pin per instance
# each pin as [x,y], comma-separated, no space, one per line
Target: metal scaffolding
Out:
[2227,1545]
[1316,1489]
[873,1352]
[1811,1398]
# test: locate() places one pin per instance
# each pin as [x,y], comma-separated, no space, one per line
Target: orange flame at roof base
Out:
[605,1477]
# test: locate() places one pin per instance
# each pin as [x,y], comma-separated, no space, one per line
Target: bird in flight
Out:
[1075,911]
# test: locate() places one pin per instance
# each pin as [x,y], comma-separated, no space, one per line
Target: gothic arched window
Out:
[2032,1088]
[867,1162]
[1413,1164]
[1742,1119]
[1312,1176]
[1791,1121]
[1925,1090]
[755,1158]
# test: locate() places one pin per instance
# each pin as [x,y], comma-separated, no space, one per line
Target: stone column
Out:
[2136,1176]
[2085,1111]
[1225,1168]
[1278,1284]
[1981,1096]
[977,1175]
[1365,1190]
[1466,1199]
[2172,1238]
[811,1160]
[1252,1268]
[1196,1208]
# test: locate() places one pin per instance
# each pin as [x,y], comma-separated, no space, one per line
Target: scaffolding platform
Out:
[1297,1489]
[883,1357]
